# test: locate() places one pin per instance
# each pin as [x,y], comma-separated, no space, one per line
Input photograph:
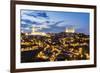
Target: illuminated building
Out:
[70,30]
[34,32]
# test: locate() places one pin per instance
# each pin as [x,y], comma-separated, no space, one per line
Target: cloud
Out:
[40,20]
[27,29]
[23,22]
[26,21]
[62,24]
[40,27]
[26,12]
[42,14]
[58,22]
[67,24]
[32,19]
[36,19]
[35,13]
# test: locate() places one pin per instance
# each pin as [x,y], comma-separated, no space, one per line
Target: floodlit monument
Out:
[70,30]
[34,32]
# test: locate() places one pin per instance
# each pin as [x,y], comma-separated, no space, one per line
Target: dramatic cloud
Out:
[37,19]
[50,21]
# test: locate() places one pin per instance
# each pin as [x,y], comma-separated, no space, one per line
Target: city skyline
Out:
[54,21]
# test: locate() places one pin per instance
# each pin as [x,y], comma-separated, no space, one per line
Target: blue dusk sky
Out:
[54,21]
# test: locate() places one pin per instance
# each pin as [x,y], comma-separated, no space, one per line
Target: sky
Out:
[54,21]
